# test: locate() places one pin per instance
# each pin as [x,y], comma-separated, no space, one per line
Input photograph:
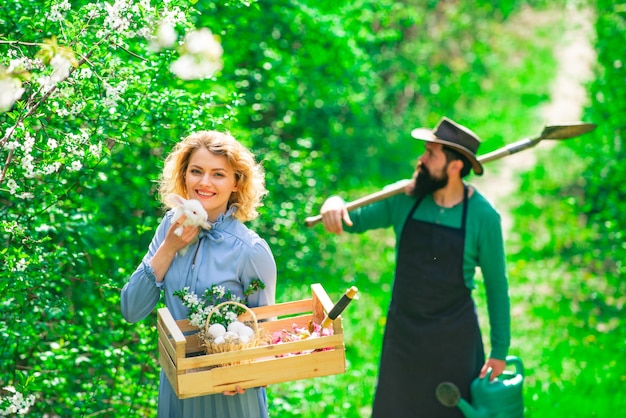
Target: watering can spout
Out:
[490,399]
[469,411]
[449,395]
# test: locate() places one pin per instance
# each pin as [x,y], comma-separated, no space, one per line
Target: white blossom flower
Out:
[28,166]
[165,36]
[22,64]
[201,41]
[192,299]
[197,319]
[77,108]
[57,9]
[201,57]
[25,195]
[12,145]
[75,166]
[52,143]
[115,19]
[96,149]
[52,168]
[29,142]
[17,403]
[11,90]
[21,265]
[61,68]
[85,73]
[113,93]
[12,185]
[174,16]
[185,67]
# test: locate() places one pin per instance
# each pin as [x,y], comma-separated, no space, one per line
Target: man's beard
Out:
[426,184]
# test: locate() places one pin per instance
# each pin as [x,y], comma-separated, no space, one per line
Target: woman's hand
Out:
[170,246]
[177,242]
[238,391]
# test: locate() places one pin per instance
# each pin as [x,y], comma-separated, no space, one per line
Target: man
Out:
[445,229]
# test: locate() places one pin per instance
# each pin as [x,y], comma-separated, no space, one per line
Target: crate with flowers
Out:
[224,343]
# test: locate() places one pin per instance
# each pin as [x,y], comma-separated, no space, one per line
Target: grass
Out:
[572,349]
[348,395]
[571,342]
[567,323]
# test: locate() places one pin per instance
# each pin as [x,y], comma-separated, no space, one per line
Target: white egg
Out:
[216,330]
[219,340]
[246,331]
[244,339]
[235,326]
[231,337]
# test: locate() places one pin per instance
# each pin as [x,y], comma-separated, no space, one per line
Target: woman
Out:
[222,174]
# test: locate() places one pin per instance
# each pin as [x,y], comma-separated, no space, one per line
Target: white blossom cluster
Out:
[54,75]
[198,312]
[201,56]
[61,66]
[11,90]
[33,163]
[131,18]
[16,403]
[57,10]
[199,309]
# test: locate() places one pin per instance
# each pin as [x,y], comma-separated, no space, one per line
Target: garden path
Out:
[575,55]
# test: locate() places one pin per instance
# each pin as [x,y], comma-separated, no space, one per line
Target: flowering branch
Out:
[34,106]
[201,307]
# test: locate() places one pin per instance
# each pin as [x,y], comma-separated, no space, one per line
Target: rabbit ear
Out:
[175,200]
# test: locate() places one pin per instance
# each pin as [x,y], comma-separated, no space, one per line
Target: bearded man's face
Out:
[428,182]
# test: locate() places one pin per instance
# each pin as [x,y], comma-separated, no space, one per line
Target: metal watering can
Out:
[501,398]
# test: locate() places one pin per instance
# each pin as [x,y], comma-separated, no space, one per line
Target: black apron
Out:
[432,333]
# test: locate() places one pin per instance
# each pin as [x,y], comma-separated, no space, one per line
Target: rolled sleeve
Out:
[141,294]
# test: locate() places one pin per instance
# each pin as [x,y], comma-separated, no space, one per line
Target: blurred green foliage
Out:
[325,93]
[570,240]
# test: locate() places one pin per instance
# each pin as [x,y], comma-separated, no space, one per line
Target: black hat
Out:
[453,135]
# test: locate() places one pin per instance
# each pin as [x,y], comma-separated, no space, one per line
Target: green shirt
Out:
[484,248]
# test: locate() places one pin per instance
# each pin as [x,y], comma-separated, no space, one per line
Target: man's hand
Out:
[496,366]
[334,213]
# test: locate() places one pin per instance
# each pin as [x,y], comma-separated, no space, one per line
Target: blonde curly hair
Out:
[249,175]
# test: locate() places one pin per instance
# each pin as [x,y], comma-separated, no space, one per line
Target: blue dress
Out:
[230,255]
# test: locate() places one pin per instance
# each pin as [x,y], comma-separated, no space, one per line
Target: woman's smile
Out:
[210,179]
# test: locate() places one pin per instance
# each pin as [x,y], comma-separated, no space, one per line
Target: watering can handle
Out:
[510,360]
[517,362]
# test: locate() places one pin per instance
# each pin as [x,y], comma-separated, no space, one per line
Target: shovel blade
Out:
[565,131]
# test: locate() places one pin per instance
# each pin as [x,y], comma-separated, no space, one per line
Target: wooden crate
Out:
[192,373]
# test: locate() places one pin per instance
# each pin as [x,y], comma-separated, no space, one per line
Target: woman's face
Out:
[210,179]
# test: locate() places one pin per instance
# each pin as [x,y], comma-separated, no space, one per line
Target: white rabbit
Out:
[195,215]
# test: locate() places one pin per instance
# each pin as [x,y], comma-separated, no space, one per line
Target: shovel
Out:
[560,131]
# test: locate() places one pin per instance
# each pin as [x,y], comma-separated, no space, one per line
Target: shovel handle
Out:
[560,131]
[387,192]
